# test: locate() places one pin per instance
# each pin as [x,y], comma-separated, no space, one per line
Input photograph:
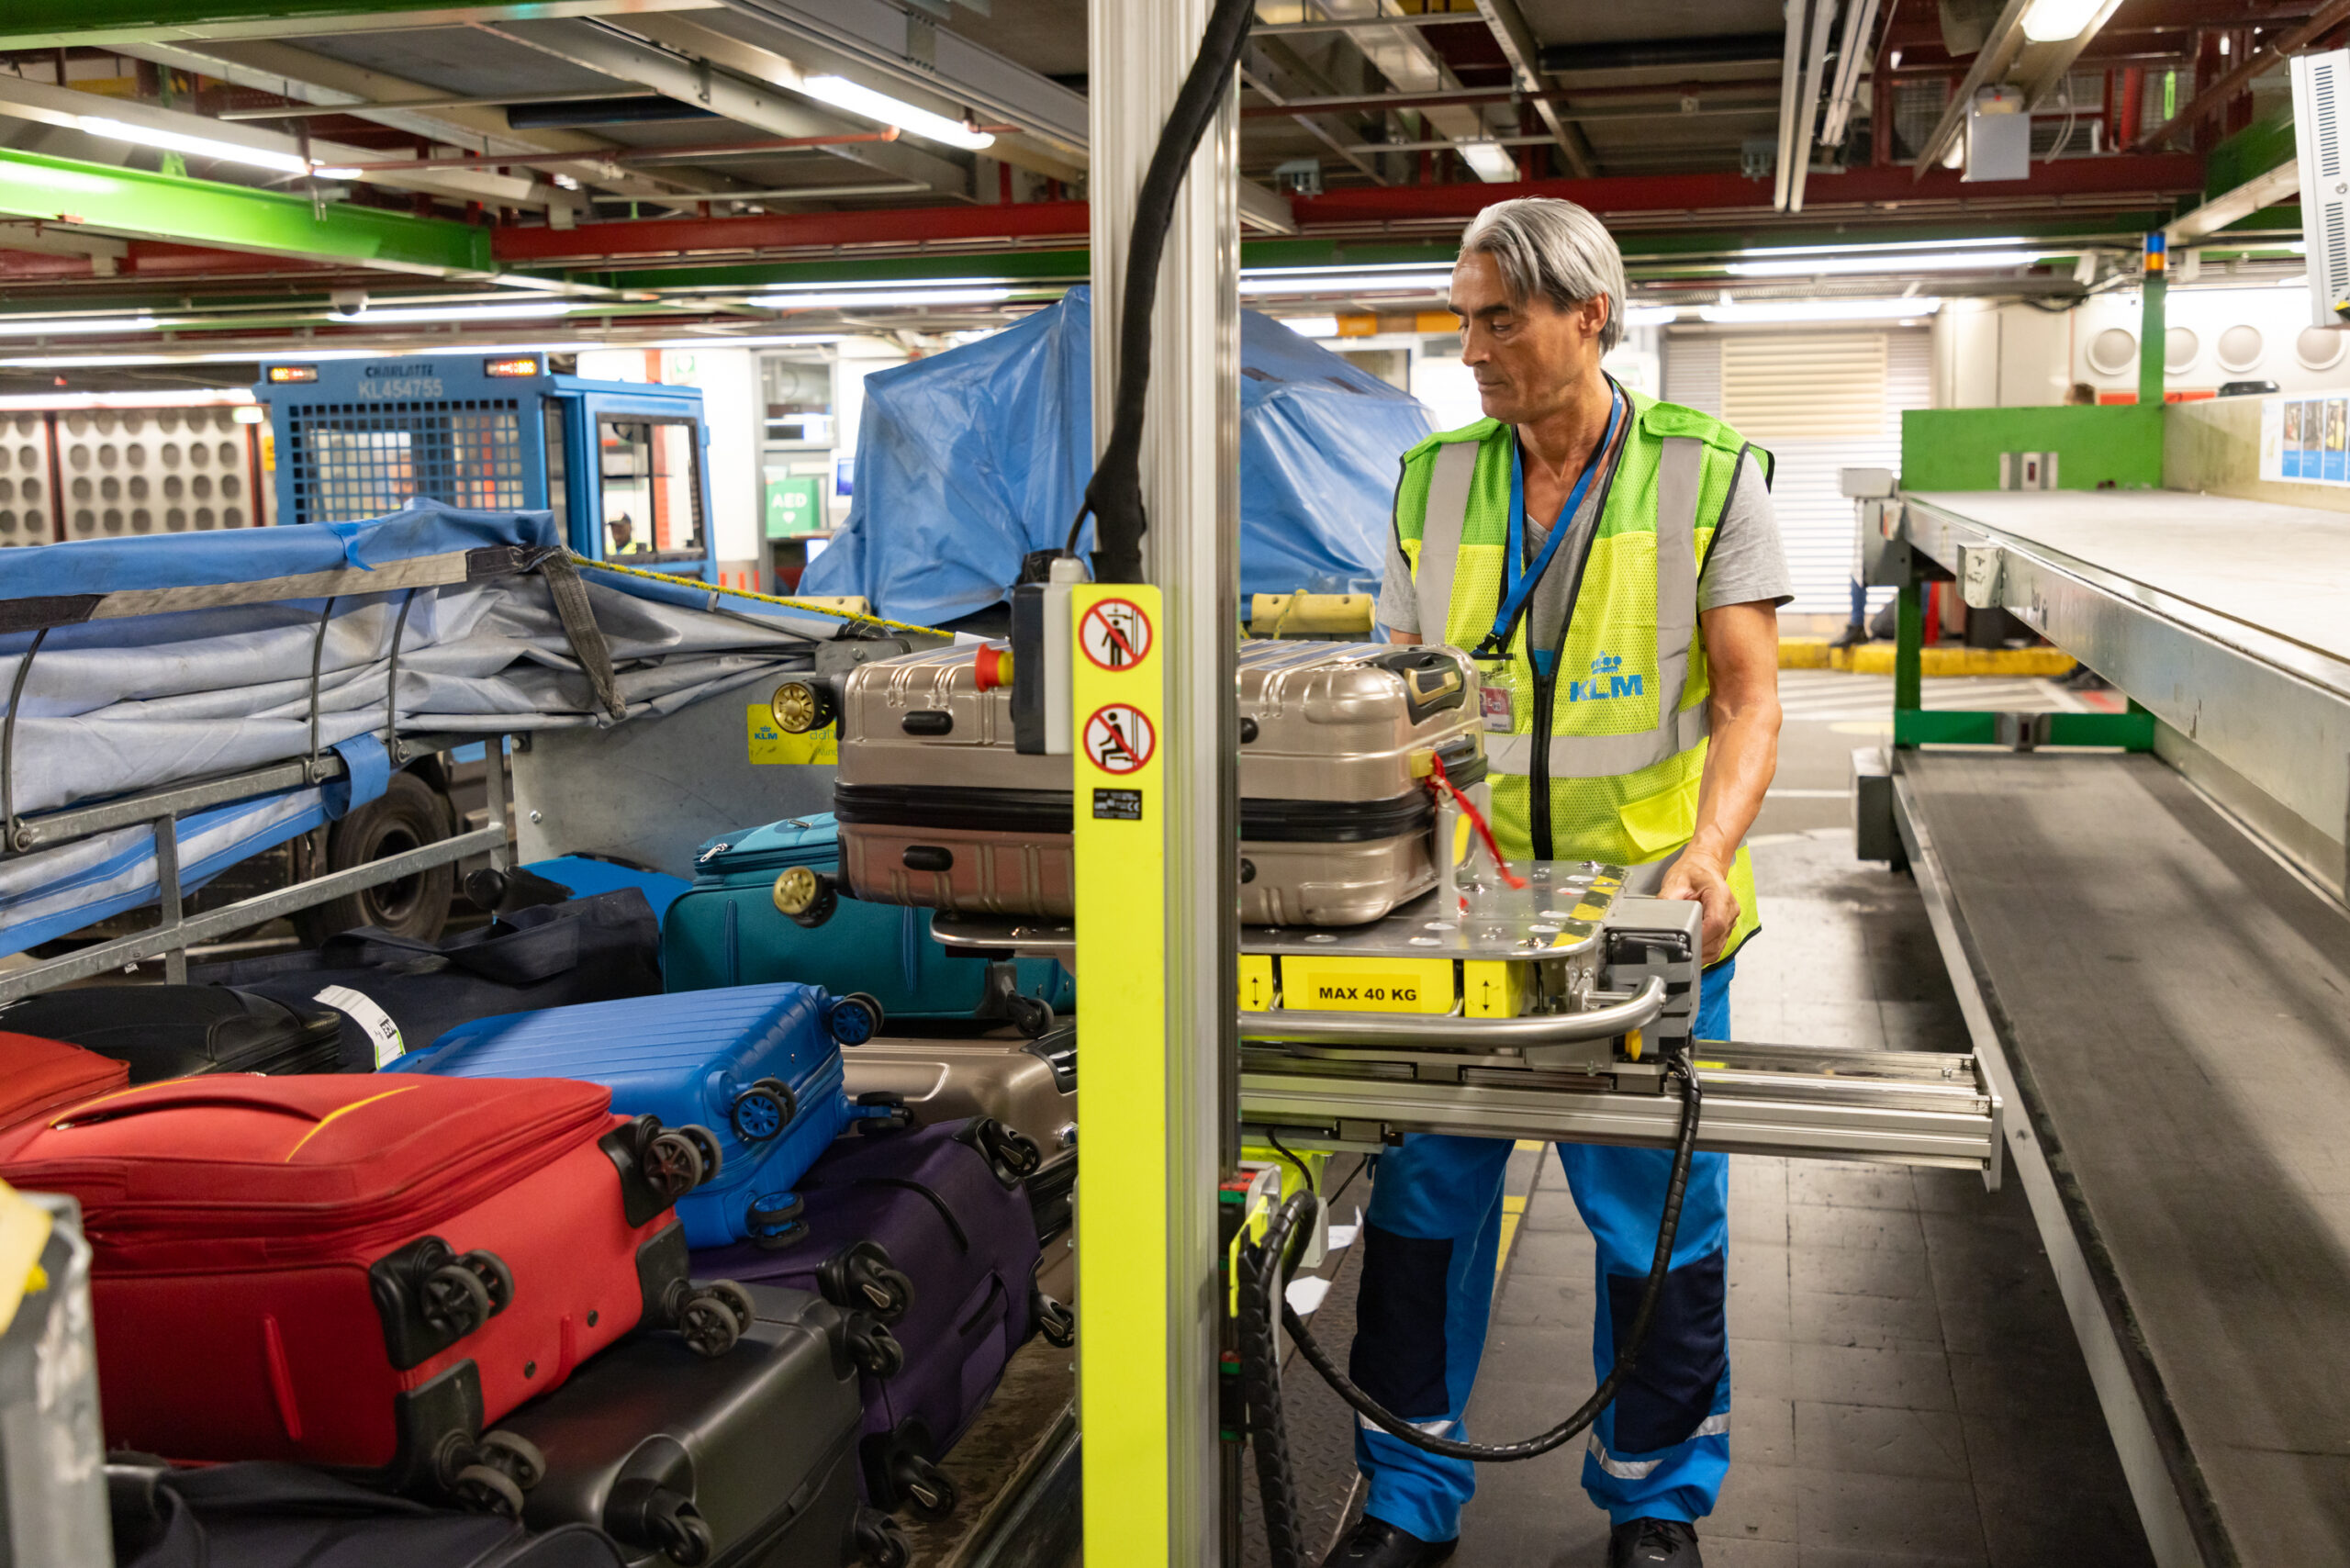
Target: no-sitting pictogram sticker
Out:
[1115,634]
[1119,739]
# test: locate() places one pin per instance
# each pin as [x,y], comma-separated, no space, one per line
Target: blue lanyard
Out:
[1519,582]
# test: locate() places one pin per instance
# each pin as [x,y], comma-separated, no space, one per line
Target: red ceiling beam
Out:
[782,231]
[2162,174]
[2216,96]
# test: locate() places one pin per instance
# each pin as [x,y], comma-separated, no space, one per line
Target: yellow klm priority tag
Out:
[771,743]
[24,1231]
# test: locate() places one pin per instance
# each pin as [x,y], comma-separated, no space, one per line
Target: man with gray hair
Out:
[1613,565]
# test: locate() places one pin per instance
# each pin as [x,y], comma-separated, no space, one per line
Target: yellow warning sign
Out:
[771,743]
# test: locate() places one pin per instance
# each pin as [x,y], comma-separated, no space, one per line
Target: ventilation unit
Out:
[2319,82]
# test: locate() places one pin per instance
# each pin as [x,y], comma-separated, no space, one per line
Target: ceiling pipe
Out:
[1823,17]
[1790,72]
[637,155]
[1852,57]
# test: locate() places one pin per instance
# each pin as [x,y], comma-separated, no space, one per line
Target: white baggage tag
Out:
[373,1021]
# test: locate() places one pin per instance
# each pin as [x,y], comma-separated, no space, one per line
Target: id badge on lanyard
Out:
[1500,696]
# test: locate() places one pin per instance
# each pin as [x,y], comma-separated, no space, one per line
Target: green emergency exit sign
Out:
[794,507]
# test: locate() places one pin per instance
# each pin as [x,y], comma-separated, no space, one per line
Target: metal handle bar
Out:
[1450,1029]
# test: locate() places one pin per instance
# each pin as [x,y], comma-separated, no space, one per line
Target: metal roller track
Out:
[1908,1107]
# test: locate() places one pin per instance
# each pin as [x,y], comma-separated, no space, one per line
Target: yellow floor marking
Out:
[1513,1210]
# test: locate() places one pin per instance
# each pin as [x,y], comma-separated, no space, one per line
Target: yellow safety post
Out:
[1118,685]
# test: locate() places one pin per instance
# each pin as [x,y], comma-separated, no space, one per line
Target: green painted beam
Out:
[236,218]
[2133,731]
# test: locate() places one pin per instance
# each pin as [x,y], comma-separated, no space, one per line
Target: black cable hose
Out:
[1260,1373]
[1114,493]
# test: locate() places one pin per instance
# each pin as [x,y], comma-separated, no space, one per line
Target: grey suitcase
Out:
[748,1461]
[937,808]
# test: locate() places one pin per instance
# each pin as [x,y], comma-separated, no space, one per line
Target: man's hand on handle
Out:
[1706,883]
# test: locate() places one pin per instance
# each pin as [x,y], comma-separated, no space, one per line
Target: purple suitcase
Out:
[929,1230]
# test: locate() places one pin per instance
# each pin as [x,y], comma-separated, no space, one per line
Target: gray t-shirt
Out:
[1744,563]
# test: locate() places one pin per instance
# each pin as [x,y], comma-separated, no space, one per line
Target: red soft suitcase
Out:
[365,1273]
[39,1076]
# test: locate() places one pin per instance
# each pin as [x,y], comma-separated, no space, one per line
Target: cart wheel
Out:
[673,1165]
[879,1541]
[762,1110]
[853,1019]
[1057,1323]
[738,1301]
[515,1456]
[1032,1015]
[495,1276]
[705,1144]
[873,1348]
[929,1489]
[483,1490]
[455,1301]
[708,1325]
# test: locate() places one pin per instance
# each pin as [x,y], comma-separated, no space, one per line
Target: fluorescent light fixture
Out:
[20,327]
[320,355]
[1740,312]
[836,285]
[1491,160]
[1933,261]
[1312,326]
[236,397]
[197,146]
[2056,21]
[328,172]
[1440,269]
[1859,248]
[841,92]
[402,316]
[1292,284]
[904,298]
[1651,315]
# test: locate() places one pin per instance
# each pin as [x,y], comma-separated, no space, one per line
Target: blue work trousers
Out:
[1432,1240]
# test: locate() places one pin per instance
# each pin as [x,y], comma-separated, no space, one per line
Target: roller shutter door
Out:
[1820,402]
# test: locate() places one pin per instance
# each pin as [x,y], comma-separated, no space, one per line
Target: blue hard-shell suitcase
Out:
[756,1068]
[725,930]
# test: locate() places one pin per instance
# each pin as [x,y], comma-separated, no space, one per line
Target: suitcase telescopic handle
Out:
[1432,681]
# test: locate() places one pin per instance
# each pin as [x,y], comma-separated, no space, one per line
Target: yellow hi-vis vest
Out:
[1605,757]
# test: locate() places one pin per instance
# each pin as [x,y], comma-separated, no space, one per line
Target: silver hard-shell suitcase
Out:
[938,809]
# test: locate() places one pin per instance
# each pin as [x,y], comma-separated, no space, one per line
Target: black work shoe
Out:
[1855,633]
[1375,1543]
[1654,1543]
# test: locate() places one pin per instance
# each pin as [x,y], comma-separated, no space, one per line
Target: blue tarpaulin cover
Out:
[970,459]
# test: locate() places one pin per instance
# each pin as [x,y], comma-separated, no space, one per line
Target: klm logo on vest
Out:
[1604,682]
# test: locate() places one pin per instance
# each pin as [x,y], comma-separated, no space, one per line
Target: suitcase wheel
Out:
[1032,1015]
[805,898]
[774,1219]
[648,1515]
[705,1144]
[879,1540]
[738,1301]
[482,1489]
[1014,1154]
[513,1455]
[1056,1322]
[871,1345]
[930,1491]
[853,1019]
[673,1163]
[880,1112]
[453,1301]
[763,1109]
[861,1277]
[709,1324]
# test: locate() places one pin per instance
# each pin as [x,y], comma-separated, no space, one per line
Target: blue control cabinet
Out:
[622,463]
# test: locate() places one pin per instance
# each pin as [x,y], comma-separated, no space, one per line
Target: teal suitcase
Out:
[725,930]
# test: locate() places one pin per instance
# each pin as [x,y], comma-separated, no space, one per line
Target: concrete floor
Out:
[1907,1389]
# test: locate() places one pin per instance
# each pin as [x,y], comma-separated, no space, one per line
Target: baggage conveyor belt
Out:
[2168,1010]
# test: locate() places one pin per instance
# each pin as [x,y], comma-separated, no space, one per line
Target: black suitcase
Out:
[743,1461]
[285,1515]
[397,993]
[179,1031]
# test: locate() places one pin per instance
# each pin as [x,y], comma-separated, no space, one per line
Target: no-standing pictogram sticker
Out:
[1115,634]
[1119,738]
